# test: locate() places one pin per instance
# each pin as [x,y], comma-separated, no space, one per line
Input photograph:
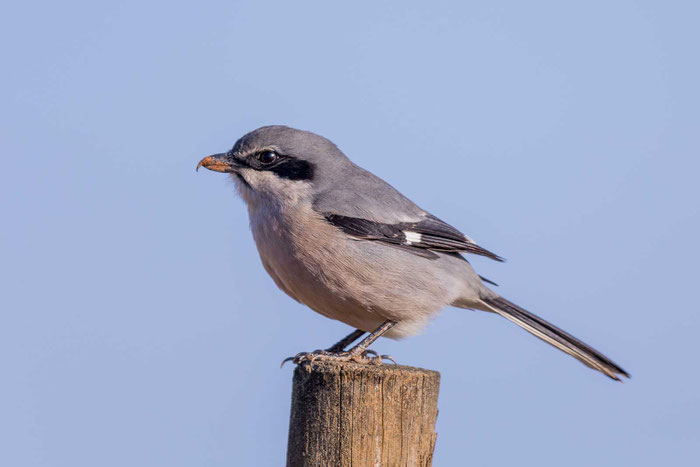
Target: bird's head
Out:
[280,163]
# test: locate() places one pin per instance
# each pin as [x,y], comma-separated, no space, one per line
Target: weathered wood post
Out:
[352,414]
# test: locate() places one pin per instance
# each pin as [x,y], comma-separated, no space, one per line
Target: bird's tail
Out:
[554,336]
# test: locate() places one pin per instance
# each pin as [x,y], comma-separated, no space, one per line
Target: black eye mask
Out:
[287,167]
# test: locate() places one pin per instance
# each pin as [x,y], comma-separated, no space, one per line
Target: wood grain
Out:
[350,414]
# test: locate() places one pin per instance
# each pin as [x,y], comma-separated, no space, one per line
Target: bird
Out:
[342,241]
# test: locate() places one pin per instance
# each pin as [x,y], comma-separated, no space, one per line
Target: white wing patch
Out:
[412,237]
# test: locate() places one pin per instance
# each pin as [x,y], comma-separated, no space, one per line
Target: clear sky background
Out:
[138,326]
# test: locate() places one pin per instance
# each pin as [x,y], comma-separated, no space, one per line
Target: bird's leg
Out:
[345,341]
[361,347]
[357,354]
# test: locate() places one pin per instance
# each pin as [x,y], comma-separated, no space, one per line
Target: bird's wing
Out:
[366,207]
[369,199]
[427,235]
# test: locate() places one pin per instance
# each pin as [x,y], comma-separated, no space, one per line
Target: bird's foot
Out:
[366,357]
[379,359]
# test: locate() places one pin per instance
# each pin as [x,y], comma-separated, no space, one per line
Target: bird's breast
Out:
[279,236]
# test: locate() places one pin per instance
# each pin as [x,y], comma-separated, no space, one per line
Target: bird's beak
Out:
[219,163]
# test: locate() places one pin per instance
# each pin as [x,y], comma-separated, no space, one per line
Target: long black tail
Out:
[555,336]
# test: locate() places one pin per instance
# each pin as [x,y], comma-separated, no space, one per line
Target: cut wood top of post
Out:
[382,369]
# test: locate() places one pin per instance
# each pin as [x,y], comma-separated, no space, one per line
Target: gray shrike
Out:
[342,241]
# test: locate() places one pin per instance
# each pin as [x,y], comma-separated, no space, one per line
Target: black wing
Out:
[428,235]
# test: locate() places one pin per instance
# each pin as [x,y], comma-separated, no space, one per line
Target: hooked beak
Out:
[219,163]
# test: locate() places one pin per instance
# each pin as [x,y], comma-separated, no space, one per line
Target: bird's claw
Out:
[367,357]
[288,359]
[377,359]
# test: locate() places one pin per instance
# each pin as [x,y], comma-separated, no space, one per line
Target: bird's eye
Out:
[267,157]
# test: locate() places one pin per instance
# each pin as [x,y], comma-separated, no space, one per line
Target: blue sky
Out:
[138,326]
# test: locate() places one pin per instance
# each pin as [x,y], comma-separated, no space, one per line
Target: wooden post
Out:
[352,414]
